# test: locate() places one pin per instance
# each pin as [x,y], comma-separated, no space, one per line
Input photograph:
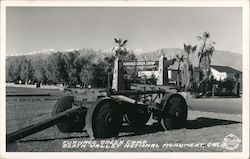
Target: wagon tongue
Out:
[16,135]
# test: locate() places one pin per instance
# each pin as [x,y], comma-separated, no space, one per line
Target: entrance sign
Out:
[118,79]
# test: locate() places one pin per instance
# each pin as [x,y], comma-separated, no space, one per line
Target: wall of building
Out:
[218,75]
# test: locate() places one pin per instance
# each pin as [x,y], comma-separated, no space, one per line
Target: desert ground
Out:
[209,122]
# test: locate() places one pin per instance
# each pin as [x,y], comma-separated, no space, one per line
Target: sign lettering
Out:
[141,63]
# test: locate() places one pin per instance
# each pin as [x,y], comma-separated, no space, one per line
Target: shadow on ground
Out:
[128,131]
[207,122]
[57,138]
[198,123]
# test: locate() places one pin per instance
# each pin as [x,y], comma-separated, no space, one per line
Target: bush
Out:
[224,87]
[227,83]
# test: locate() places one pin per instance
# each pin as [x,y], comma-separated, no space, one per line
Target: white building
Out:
[218,75]
[223,72]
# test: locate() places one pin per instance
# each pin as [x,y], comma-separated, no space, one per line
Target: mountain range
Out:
[219,57]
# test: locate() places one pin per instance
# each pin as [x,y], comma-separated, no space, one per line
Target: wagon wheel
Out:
[174,114]
[104,119]
[74,123]
[137,117]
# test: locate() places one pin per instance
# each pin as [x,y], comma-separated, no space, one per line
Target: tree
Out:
[69,71]
[103,70]
[229,84]
[54,68]
[124,54]
[27,71]
[109,63]
[120,50]
[86,76]
[206,49]
[187,68]
[205,52]
[39,70]
[20,68]
[85,69]
[237,80]
[13,68]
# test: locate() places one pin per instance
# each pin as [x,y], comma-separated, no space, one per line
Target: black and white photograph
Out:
[156,78]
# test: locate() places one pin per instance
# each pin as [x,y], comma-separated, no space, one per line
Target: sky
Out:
[146,28]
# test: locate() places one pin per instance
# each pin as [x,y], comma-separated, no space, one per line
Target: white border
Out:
[183,3]
[215,3]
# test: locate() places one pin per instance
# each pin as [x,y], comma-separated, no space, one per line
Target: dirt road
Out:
[220,105]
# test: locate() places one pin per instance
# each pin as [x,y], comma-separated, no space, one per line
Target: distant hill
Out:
[43,54]
[219,57]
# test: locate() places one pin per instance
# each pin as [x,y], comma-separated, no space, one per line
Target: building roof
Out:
[225,69]
[219,68]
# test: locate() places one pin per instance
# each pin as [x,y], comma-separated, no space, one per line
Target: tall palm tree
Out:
[205,52]
[121,50]
[187,67]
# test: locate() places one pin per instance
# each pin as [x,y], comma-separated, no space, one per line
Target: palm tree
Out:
[187,67]
[121,50]
[179,60]
[205,52]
